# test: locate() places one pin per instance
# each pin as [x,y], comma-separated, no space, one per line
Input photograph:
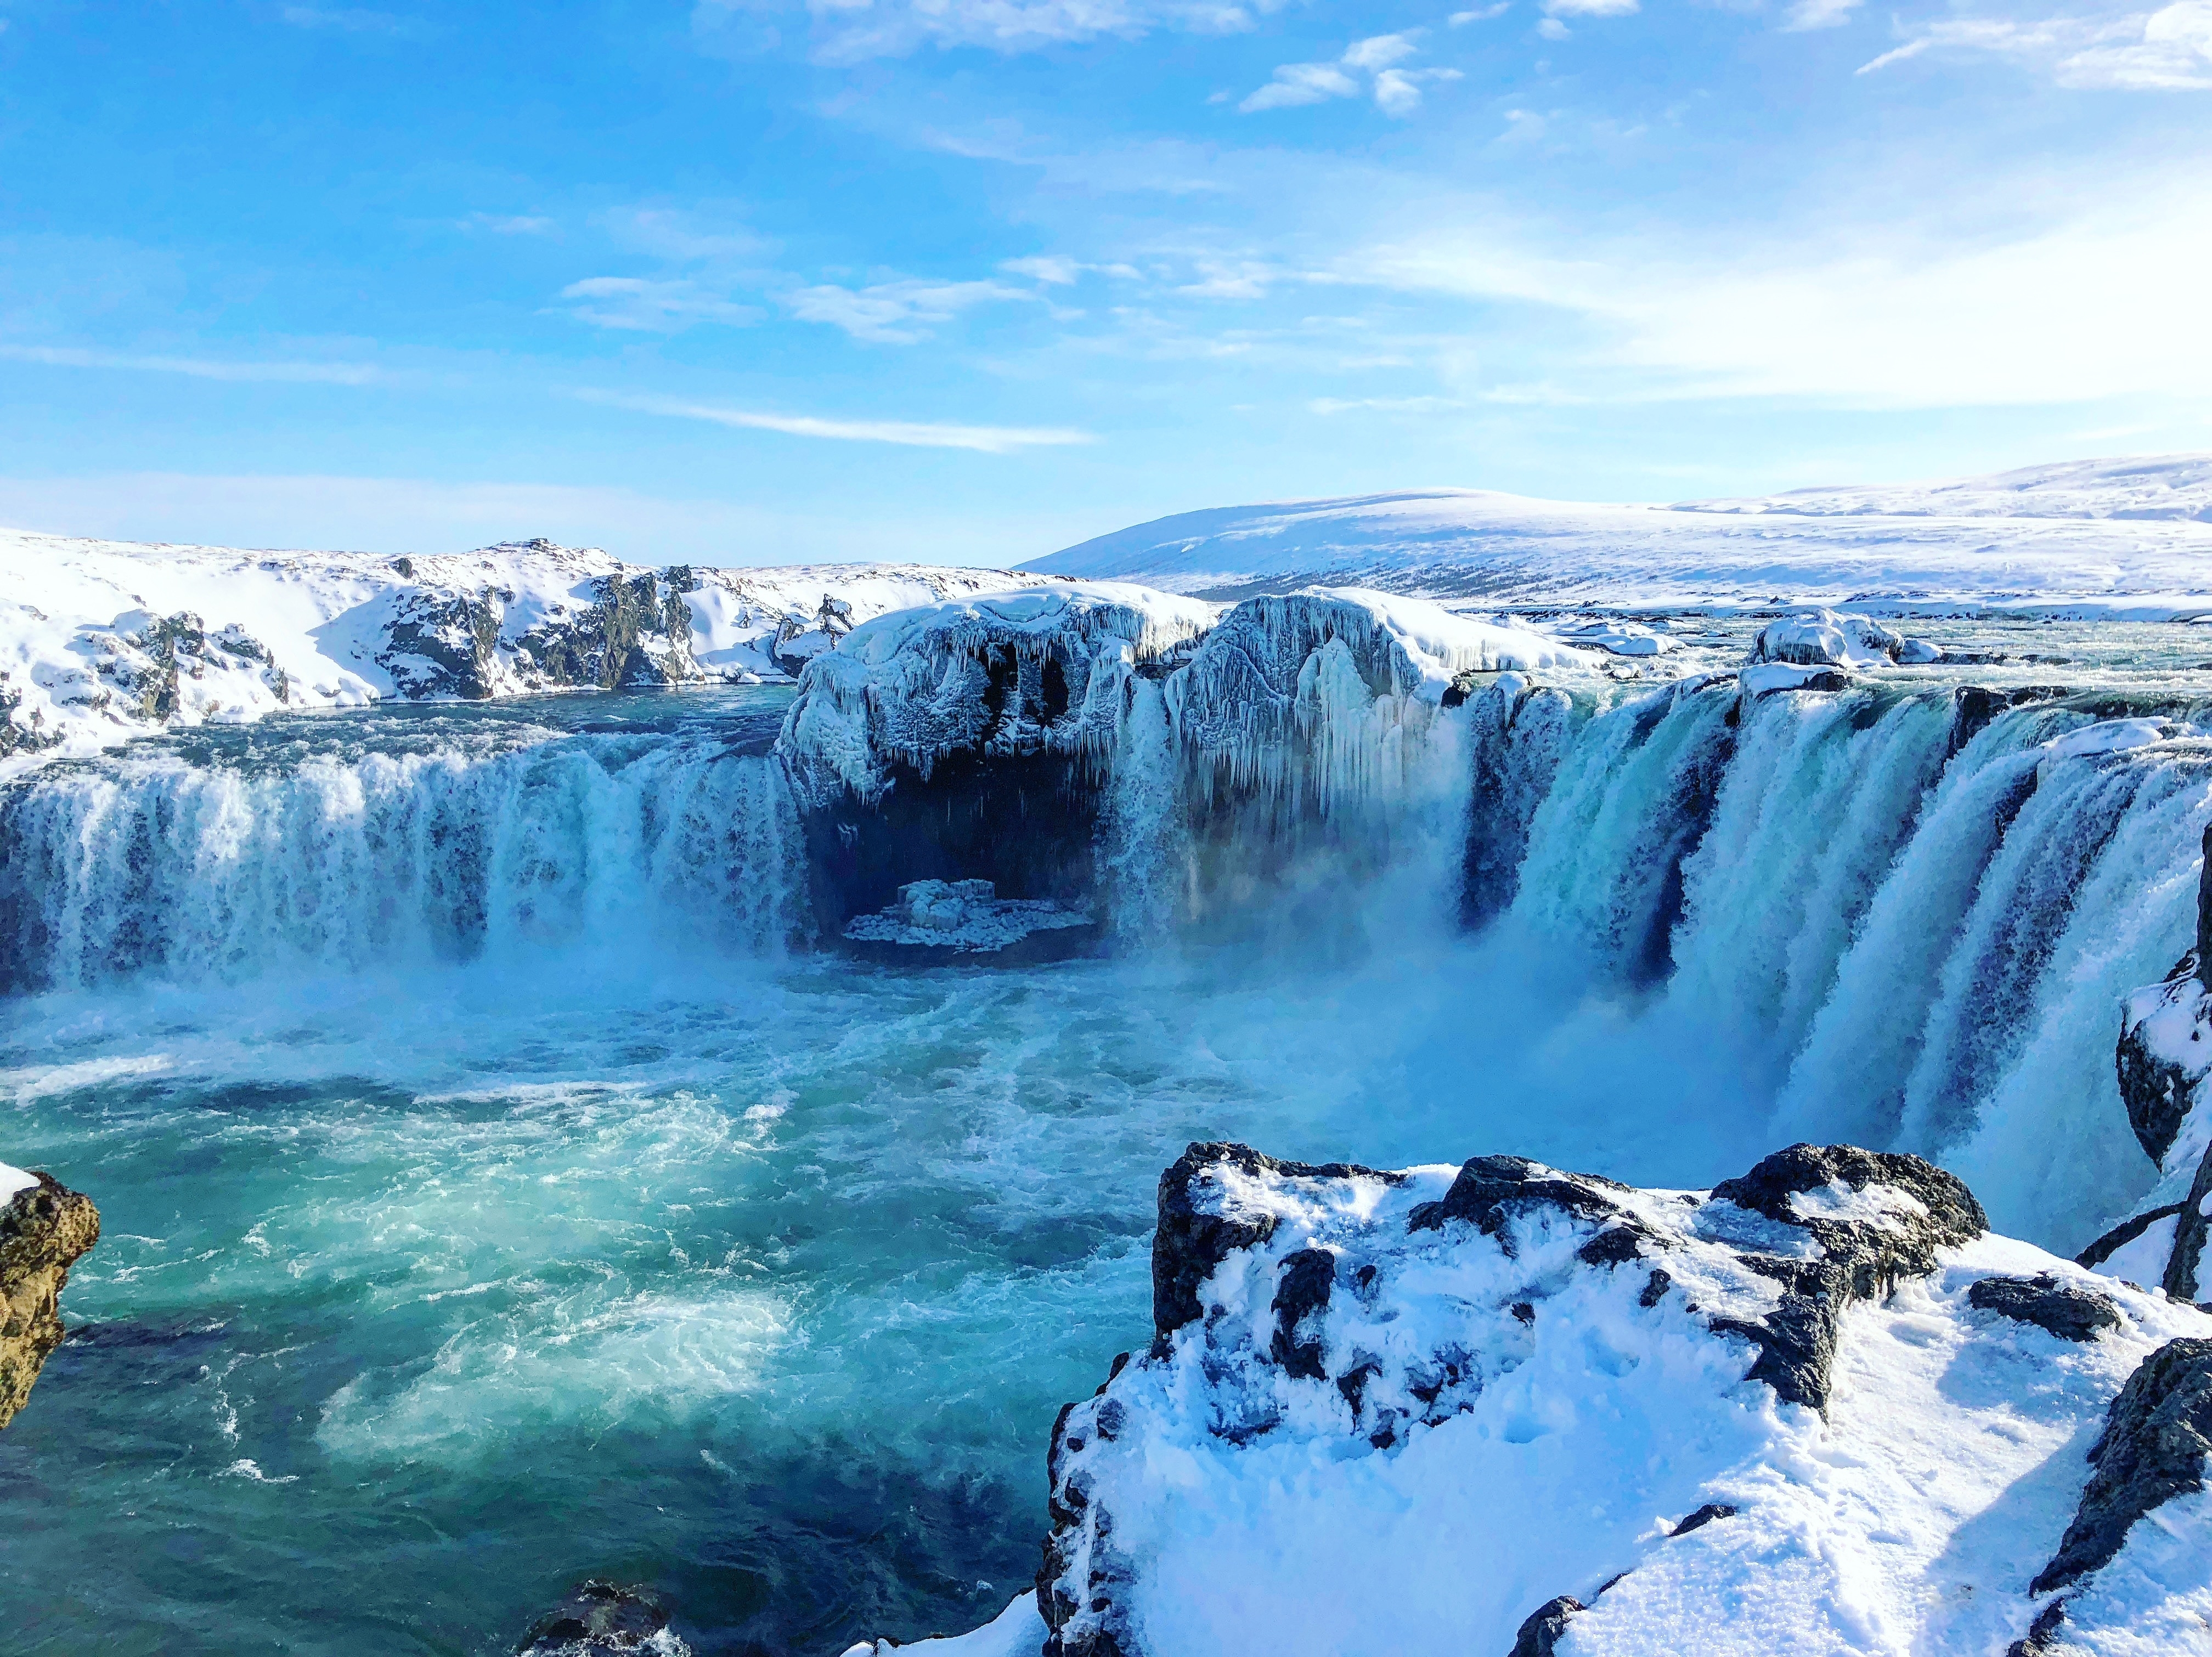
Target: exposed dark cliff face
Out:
[43,1232]
[1026,823]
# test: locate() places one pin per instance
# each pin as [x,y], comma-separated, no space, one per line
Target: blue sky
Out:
[969,280]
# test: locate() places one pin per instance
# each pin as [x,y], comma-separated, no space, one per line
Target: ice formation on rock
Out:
[963,917]
[1509,1409]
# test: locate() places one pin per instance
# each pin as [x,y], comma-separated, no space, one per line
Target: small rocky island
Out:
[944,918]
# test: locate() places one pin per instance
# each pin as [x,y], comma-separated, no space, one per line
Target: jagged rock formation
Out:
[601,1619]
[2164,1055]
[44,1229]
[1360,1379]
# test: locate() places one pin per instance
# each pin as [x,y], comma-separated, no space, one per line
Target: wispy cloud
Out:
[298,374]
[510,224]
[846,31]
[912,434]
[1479,14]
[647,305]
[896,313]
[1396,91]
[1334,406]
[2169,49]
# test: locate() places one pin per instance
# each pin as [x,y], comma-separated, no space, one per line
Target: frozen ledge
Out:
[961,917]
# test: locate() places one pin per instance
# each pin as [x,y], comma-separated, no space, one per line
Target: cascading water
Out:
[491,844]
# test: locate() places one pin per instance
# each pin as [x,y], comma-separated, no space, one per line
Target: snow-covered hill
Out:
[103,640]
[2130,539]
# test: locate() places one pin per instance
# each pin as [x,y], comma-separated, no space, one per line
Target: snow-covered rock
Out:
[1505,1408]
[1617,638]
[2110,737]
[2164,1056]
[44,1229]
[1821,638]
[2122,539]
[601,1619]
[101,641]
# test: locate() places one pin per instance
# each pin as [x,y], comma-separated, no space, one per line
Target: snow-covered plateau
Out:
[2128,538]
[100,640]
[1502,1408]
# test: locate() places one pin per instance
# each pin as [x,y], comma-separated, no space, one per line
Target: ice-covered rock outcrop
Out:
[1821,638]
[2165,1054]
[1037,671]
[44,1229]
[1508,1409]
[1327,689]
[604,1619]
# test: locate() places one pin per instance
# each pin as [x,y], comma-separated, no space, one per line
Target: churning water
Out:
[496,1192]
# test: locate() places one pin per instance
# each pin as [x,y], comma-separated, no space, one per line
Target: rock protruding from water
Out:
[2157,1433]
[44,1228]
[1821,638]
[600,1619]
[967,917]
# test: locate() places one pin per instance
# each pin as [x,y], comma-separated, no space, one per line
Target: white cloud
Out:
[849,30]
[1331,405]
[1048,268]
[648,305]
[896,313]
[2106,302]
[1590,8]
[297,373]
[1552,29]
[2169,49]
[924,435]
[1396,91]
[1817,15]
[510,224]
[1481,14]
[1301,83]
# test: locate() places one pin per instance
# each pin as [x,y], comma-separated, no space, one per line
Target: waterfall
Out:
[1146,854]
[159,865]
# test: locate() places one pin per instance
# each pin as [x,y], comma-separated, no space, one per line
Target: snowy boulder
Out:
[1768,677]
[44,1230]
[1615,637]
[1918,653]
[1359,1382]
[2110,736]
[1821,638]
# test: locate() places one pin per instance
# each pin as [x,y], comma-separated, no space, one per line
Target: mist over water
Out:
[493,1196]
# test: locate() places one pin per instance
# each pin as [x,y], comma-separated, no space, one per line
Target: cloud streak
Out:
[909,434]
[295,373]
[1396,91]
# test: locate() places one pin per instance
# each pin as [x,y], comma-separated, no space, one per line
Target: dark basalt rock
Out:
[1303,1290]
[2066,1310]
[2157,1089]
[2157,1432]
[1972,707]
[600,1619]
[1539,1634]
[1490,1188]
[443,643]
[1704,1516]
[30,736]
[1190,1243]
[44,1230]
[1858,1261]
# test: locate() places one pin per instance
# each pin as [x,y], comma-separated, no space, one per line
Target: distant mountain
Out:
[2118,538]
